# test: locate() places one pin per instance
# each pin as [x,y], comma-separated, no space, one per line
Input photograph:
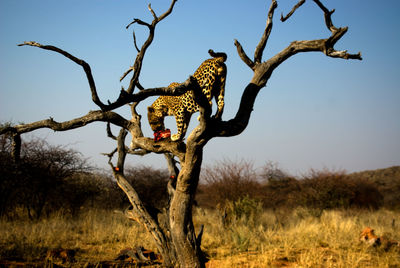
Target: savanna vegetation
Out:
[252,217]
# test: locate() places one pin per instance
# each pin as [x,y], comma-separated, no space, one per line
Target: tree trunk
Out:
[182,229]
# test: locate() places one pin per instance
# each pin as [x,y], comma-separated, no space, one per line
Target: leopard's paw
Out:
[175,137]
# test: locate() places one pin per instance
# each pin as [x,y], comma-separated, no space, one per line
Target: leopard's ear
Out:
[150,109]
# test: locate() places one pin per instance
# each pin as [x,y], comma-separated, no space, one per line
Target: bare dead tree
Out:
[173,230]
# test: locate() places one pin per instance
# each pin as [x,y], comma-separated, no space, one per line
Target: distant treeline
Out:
[51,179]
[323,189]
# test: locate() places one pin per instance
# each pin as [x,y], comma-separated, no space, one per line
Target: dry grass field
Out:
[297,238]
[300,239]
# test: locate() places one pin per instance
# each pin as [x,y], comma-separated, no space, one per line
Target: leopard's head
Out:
[156,121]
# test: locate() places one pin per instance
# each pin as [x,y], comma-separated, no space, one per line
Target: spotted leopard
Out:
[211,77]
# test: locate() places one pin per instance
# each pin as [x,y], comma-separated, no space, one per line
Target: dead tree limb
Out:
[243,55]
[263,42]
[299,4]
[93,116]
[85,66]
[137,65]
[263,71]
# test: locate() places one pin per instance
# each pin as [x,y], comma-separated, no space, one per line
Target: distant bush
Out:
[328,190]
[278,187]
[319,190]
[44,180]
[281,192]
[387,182]
[50,179]
[228,180]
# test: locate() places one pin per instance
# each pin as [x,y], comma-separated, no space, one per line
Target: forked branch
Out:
[264,70]
[263,41]
[137,65]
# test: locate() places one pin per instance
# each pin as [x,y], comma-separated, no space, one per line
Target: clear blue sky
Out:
[315,112]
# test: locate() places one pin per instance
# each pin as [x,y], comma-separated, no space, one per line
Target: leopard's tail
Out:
[221,55]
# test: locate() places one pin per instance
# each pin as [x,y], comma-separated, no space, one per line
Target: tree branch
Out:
[126,73]
[91,117]
[138,211]
[109,132]
[135,42]
[299,4]
[137,49]
[263,71]
[136,129]
[137,65]
[85,66]
[16,147]
[125,98]
[159,147]
[152,12]
[169,11]
[173,175]
[327,15]
[171,163]
[138,21]
[261,45]
[140,152]
[243,55]
[238,124]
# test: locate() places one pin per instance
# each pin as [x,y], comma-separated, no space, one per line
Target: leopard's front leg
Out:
[179,118]
[182,122]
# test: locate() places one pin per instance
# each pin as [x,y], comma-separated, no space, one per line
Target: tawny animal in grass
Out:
[211,77]
[388,244]
[369,237]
